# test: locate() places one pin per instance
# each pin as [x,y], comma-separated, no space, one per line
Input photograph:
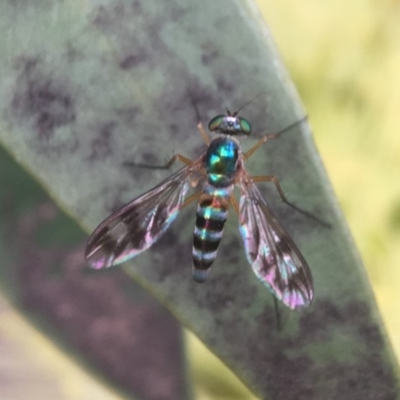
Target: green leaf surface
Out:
[90,86]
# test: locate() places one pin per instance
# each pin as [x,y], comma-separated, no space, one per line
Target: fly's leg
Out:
[234,203]
[265,138]
[277,314]
[203,133]
[176,157]
[281,317]
[199,124]
[168,165]
[274,179]
[194,196]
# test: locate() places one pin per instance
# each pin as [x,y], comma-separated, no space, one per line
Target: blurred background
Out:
[344,58]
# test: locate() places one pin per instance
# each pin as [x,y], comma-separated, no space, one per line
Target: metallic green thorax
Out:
[221,161]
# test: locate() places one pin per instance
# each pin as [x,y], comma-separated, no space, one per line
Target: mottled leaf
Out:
[89,87]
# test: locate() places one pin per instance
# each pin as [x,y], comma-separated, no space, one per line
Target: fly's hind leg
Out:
[234,203]
[175,157]
[274,179]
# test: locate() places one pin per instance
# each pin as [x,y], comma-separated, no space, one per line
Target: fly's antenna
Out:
[247,103]
[221,100]
[227,110]
[230,114]
[192,98]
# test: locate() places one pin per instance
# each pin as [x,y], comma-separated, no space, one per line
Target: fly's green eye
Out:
[215,123]
[245,126]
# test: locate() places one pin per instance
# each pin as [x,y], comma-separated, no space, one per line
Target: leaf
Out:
[102,320]
[90,88]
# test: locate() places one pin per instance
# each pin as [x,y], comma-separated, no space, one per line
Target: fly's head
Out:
[230,124]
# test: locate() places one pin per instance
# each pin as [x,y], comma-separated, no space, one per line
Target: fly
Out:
[274,257]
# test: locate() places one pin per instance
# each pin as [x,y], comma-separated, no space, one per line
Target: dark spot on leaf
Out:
[152,160]
[286,370]
[101,145]
[177,13]
[174,127]
[361,313]
[133,60]
[128,114]
[230,249]
[137,7]
[201,98]
[210,53]
[101,17]
[175,251]
[73,53]
[41,101]
[225,86]
[325,311]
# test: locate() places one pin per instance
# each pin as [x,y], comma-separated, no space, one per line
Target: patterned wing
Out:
[140,223]
[274,257]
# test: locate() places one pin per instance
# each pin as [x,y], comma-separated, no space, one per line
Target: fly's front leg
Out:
[265,138]
[199,124]
[177,157]
[203,133]
[274,179]
[168,165]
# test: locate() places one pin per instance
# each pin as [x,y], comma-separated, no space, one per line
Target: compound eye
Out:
[215,123]
[245,126]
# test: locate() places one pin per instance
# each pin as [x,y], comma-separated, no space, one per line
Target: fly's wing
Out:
[140,223]
[274,257]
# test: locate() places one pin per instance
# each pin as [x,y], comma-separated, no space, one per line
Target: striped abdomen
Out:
[212,212]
